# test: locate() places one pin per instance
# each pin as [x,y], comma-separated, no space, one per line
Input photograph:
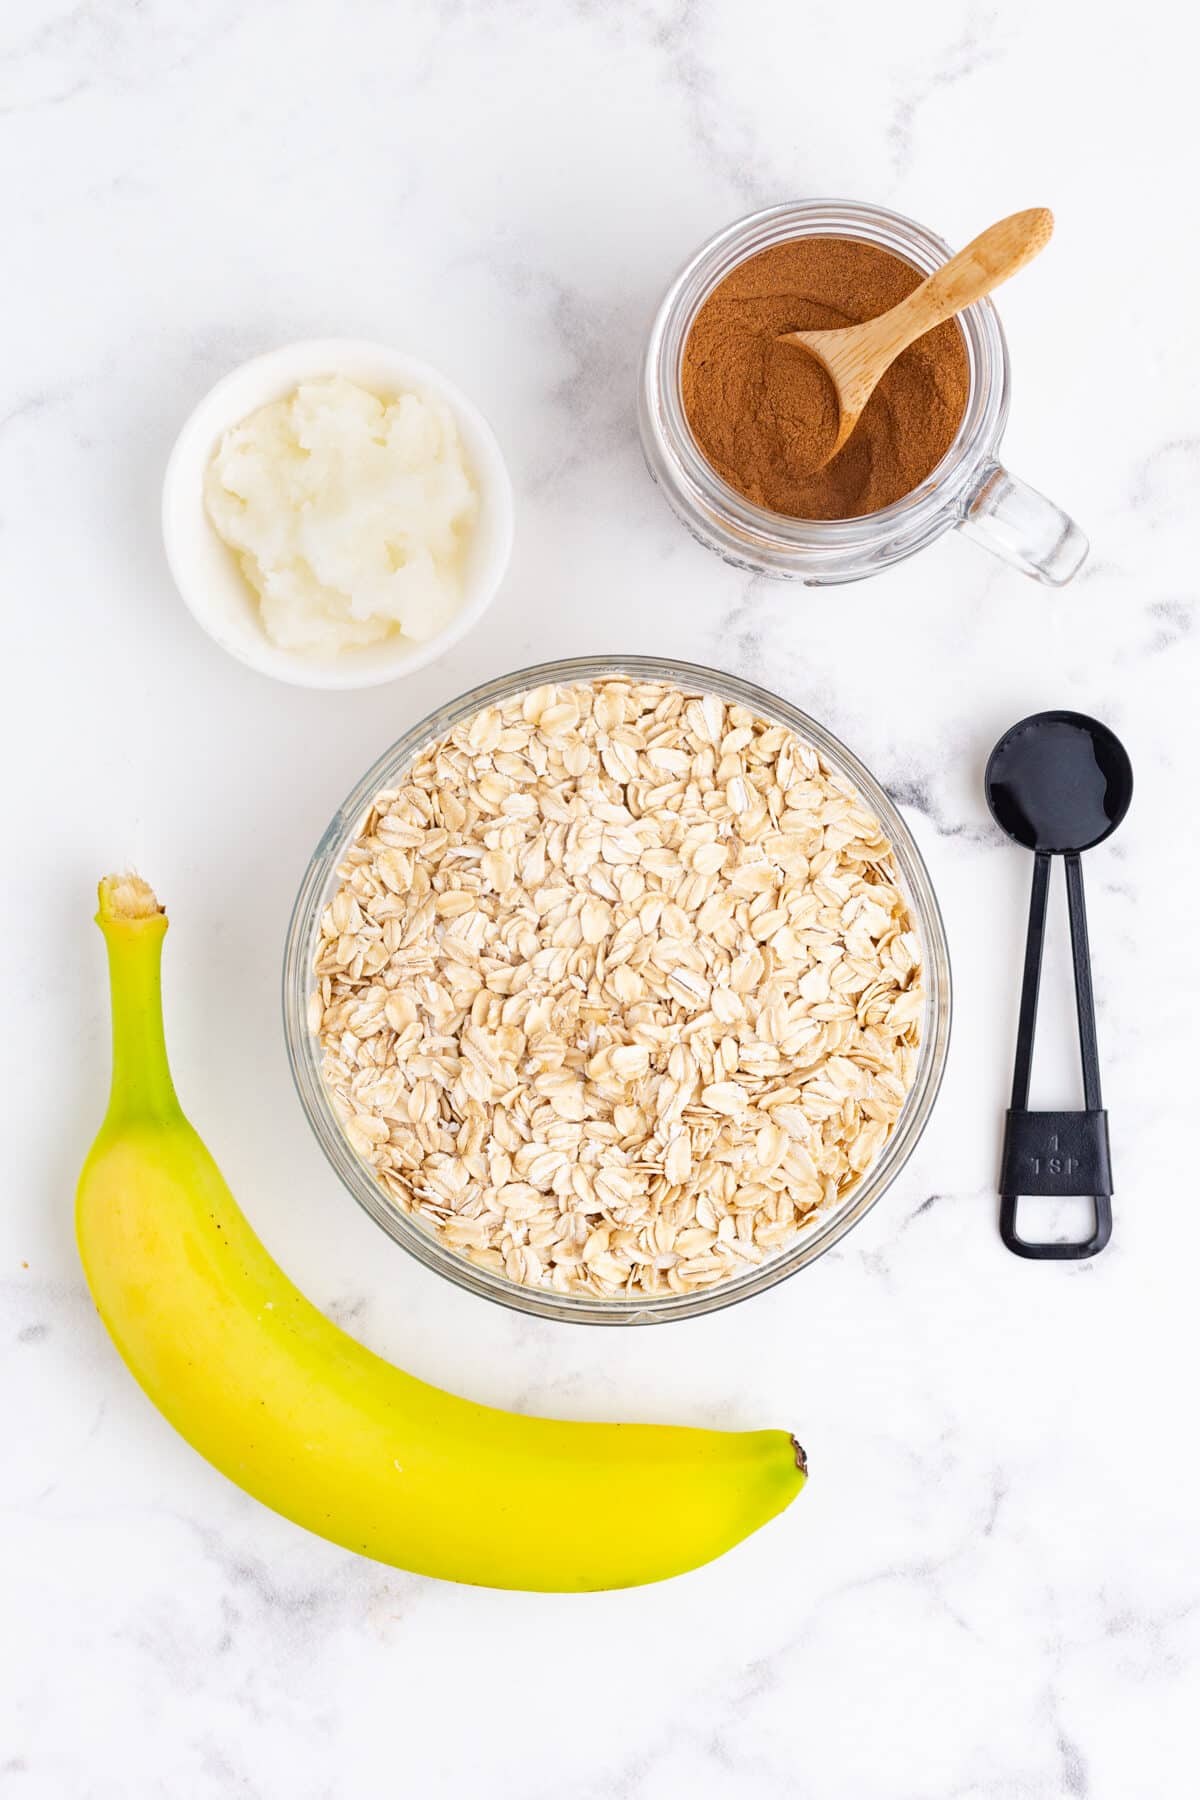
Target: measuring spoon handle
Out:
[1056,1153]
[1085,1005]
[1031,980]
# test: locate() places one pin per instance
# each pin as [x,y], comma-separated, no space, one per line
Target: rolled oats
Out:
[618,991]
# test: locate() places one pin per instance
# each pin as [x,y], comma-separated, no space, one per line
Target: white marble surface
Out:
[990,1588]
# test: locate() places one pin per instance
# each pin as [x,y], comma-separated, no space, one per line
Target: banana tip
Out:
[801,1458]
[128,897]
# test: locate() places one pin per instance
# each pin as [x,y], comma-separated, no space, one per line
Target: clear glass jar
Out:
[969,488]
[319,885]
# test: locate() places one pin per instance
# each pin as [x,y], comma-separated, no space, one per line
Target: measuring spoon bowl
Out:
[1059,782]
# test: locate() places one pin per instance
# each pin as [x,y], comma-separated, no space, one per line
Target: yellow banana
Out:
[314,1425]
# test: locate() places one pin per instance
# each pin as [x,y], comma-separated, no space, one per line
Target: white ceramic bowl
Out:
[206,571]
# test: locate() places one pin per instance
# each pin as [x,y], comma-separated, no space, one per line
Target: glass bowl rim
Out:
[313,896]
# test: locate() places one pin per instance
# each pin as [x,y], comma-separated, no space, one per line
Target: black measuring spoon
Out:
[1059,783]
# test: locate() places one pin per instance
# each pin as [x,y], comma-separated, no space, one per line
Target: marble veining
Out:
[970,52]
[989,1590]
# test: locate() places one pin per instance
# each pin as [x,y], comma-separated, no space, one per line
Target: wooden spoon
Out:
[856,356]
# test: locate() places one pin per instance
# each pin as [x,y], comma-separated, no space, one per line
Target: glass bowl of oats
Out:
[617,991]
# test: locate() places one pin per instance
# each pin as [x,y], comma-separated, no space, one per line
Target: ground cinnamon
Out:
[765,414]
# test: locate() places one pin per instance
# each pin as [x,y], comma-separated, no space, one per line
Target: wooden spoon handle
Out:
[987,260]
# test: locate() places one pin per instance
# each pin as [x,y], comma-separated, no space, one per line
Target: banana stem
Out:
[134,926]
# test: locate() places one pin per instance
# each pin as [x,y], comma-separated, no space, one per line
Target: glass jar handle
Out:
[1023,528]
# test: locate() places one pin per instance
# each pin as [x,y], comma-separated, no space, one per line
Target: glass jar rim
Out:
[915,517]
[304,1062]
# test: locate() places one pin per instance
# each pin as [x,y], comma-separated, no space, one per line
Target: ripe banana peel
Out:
[313,1424]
